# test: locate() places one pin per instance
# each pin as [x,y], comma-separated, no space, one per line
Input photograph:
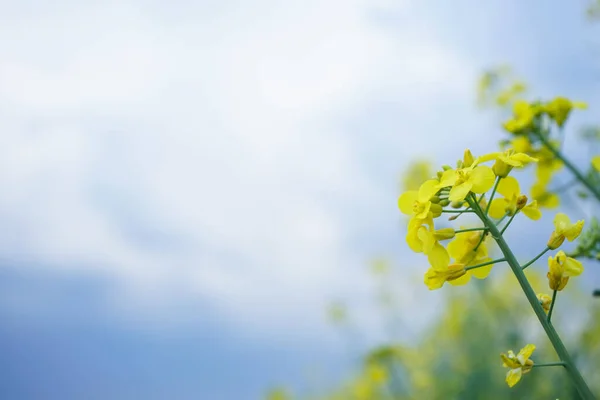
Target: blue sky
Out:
[187,185]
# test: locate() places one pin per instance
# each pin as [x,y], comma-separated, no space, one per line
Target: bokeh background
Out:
[186,187]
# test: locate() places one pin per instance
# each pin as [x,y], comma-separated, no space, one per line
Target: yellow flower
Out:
[509,188]
[560,269]
[462,249]
[544,198]
[377,374]
[545,301]
[474,178]
[563,228]
[523,115]
[436,277]
[596,163]
[417,173]
[507,160]
[560,108]
[423,240]
[521,144]
[518,364]
[418,203]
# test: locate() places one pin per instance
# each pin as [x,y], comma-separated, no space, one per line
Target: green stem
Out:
[471,230]
[580,177]
[550,364]
[535,258]
[492,195]
[456,211]
[552,305]
[582,387]
[509,221]
[485,263]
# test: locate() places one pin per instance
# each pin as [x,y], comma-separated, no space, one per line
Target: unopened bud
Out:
[456,204]
[435,200]
[446,167]
[436,210]
[468,158]
[444,234]
[501,169]
[521,201]
[439,174]
[444,202]
[555,241]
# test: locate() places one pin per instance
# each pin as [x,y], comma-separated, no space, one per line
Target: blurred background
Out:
[193,194]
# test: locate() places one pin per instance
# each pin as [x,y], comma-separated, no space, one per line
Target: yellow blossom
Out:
[509,188]
[563,228]
[521,144]
[462,250]
[417,173]
[545,301]
[518,364]
[507,160]
[560,269]
[474,178]
[436,277]
[418,203]
[423,239]
[596,163]
[523,115]
[544,198]
[560,108]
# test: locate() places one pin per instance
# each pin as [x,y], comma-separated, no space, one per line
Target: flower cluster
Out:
[454,191]
[492,194]
[530,127]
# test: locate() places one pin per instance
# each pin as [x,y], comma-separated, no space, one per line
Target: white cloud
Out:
[218,133]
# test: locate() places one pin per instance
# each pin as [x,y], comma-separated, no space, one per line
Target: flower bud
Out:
[446,167]
[521,201]
[545,301]
[468,158]
[501,168]
[555,241]
[439,174]
[435,199]
[444,234]
[456,204]
[444,202]
[436,210]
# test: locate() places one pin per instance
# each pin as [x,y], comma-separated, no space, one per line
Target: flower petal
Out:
[497,208]
[482,178]
[513,376]
[438,257]
[509,187]
[407,201]
[427,190]
[532,211]
[459,192]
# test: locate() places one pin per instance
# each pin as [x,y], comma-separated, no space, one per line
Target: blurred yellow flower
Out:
[509,188]
[596,163]
[545,301]
[417,173]
[560,269]
[519,364]
[563,228]
[523,115]
[560,108]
